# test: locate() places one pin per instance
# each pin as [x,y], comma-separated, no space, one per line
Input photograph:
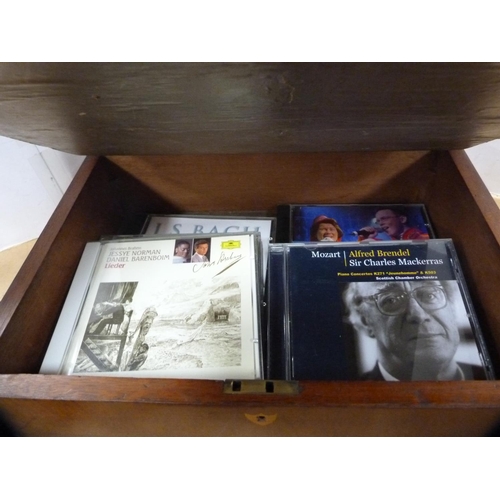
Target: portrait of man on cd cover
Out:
[411,330]
[201,250]
[182,252]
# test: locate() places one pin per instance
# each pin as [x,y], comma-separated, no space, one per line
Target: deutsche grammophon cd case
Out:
[208,225]
[374,311]
[138,308]
[353,222]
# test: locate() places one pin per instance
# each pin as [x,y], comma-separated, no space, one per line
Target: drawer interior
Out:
[113,196]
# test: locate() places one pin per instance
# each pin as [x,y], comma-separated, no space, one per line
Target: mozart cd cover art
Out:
[379,311]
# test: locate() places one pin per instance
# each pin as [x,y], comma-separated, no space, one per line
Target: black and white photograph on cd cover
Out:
[192,324]
[386,311]
[409,330]
[146,316]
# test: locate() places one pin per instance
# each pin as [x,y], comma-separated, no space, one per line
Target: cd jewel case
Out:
[353,222]
[375,311]
[145,307]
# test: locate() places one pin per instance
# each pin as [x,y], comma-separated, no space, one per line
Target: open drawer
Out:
[113,195]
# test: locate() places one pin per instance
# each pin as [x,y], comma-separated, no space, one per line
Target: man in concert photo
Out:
[414,327]
[394,222]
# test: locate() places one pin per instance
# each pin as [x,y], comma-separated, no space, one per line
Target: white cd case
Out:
[137,309]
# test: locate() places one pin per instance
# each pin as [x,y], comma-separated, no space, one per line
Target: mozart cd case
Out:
[377,311]
[137,309]
[353,222]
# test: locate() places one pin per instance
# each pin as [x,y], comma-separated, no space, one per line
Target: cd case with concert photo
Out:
[353,222]
[154,307]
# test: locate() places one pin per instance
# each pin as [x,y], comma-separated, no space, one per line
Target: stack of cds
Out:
[349,292]
[167,303]
[365,292]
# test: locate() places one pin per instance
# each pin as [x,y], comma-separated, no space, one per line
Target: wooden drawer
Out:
[113,195]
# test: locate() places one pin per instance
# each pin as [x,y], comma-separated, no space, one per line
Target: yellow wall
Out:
[11,261]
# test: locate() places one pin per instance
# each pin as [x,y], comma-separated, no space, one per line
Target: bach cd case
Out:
[353,222]
[135,308]
[378,311]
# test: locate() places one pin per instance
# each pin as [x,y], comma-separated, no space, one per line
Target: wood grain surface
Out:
[190,108]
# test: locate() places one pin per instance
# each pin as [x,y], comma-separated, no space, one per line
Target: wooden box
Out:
[113,194]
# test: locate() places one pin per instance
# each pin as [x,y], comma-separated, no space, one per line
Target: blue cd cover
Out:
[353,222]
[375,311]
